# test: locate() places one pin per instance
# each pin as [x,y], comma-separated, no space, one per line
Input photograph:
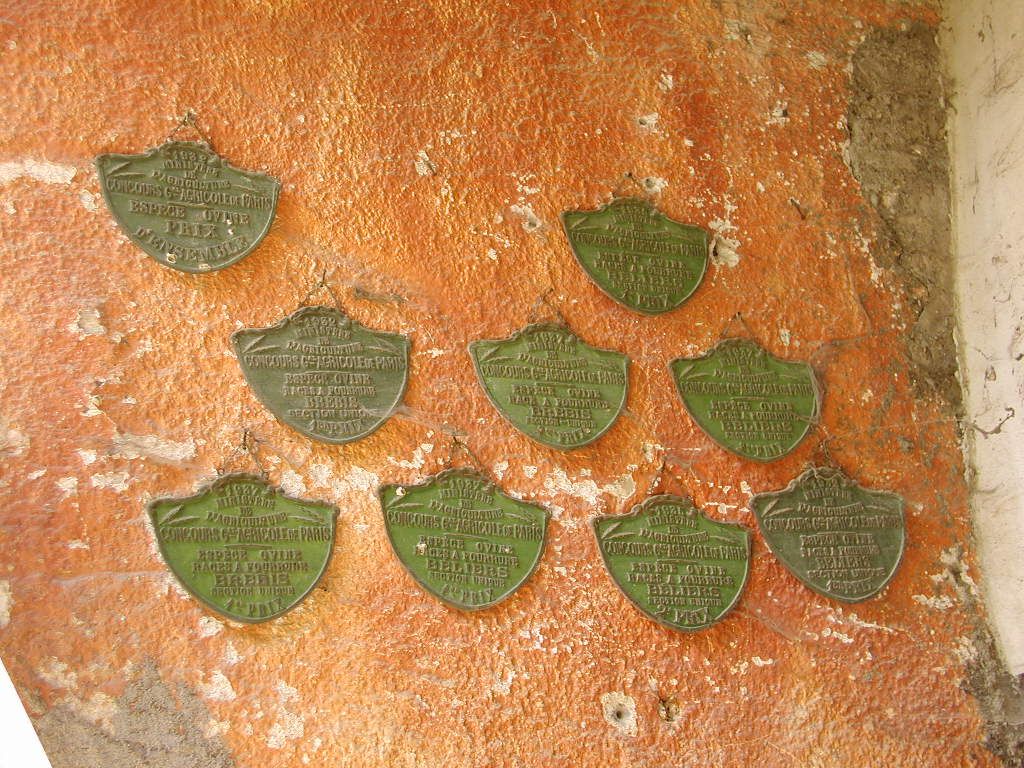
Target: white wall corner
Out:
[984,45]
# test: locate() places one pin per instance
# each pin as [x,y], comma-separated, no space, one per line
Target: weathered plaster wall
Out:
[986,54]
[426,151]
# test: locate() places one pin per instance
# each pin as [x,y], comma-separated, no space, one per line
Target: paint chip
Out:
[424,165]
[38,170]
[128,446]
[6,601]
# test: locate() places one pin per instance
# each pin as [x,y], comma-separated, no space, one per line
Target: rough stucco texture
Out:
[426,152]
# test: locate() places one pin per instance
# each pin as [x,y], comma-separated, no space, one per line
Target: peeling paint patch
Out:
[724,251]
[418,457]
[128,446]
[648,123]
[816,59]
[69,485]
[724,248]
[38,170]
[423,164]
[292,483]
[940,603]
[620,712]
[218,688]
[6,602]
[666,82]
[13,442]
[209,626]
[288,726]
[588,490]
[100,709]
[87,323]
[88,200]
[531,221]
[56,673]
[115,481]
[503,682]
[779,114]
[654,184]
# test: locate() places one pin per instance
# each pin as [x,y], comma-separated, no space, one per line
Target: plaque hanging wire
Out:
[822,454]
[542,302]
[459,445]
[727,331]
[188,120]
[323,284]
[248,447]
[619,192]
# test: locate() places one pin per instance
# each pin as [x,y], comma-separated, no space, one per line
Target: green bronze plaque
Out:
[551,385]
[841,540]
[462,539]
[638,255]
[243,547]
[746,400]
[186,206]
[677,566]
[324,374]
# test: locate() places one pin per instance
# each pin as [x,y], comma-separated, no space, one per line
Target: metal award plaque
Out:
[841,540]
[324,374]
[746,400]
[638,255]
[551,385]
[185,206]
[462,539]
[243,547]
[677,566]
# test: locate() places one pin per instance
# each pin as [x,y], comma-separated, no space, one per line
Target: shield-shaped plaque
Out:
[462,539]
[185,206]
[841,540]
[677,566]
[324,374]
[746,400]
[244,547]
[551,385]
[638,255]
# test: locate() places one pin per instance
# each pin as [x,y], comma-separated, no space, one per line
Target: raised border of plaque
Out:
[440,544]
[843,538]
[702,573]
[234,215]
[221,564]
[542,398]
[753,408]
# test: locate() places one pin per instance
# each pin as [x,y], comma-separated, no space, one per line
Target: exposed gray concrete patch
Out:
[898,152]
[150,728]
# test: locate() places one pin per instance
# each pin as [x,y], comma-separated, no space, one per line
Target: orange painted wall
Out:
[426,151]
